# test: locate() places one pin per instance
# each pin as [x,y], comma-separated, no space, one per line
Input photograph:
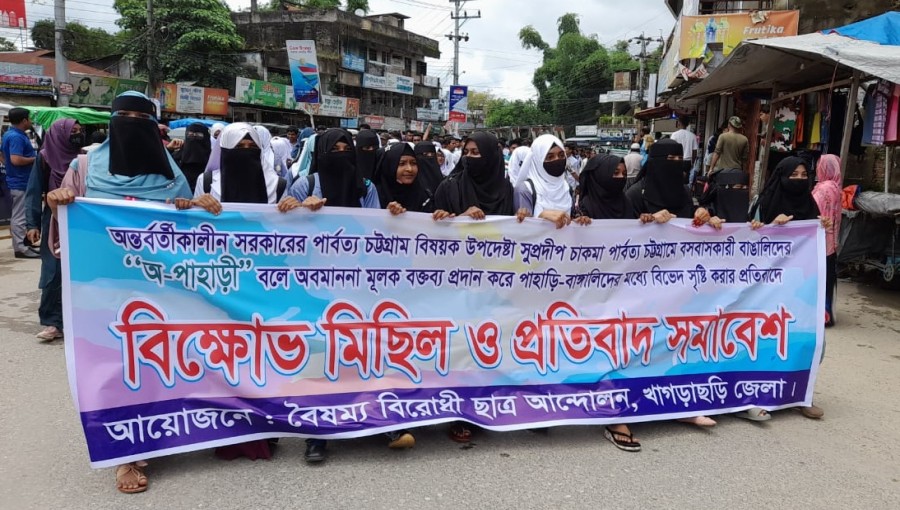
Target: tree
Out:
[192,40]
[349,5]
[575,72]
[79,42]
[502,112]
[7,45]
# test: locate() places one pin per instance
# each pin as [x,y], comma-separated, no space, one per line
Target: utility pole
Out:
[643,41]
[62,72]
[151,51]
[455,37]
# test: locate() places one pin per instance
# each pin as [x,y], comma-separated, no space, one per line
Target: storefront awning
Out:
[796,62]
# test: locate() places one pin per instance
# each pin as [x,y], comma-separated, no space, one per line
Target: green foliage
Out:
[7,45]
[349,5]
[192,40]
[574,73]
[80,42]
[503,112]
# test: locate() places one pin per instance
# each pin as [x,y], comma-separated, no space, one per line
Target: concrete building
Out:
[372,59]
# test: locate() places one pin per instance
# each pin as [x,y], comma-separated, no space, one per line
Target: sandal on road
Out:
[130,479]
[755,414]
[460,433]
[623,441]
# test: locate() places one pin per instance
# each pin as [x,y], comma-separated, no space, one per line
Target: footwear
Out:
[27,254]
[812,412]
[315,452]
[623,441]
[755,414]
[49,333]
[829,320]
[700,421]
[130,479]
[400,440]
[460,433]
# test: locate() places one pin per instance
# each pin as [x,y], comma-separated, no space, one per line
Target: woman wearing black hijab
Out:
[660,185]
[787,196]
[194,154]
[602,185]
[334,177]
[367,153]
[478,185]
[399,182]
[429,170]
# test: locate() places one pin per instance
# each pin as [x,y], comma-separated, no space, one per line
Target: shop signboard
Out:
[699,32]
[23,84]
[99,91]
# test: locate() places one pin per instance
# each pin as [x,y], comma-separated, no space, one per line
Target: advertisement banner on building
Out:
[186,331]
[428,114]
[12,14]
[394,124]
[374,121]
[215,102]
[350,123]
[189,99]
[698,33]
[168,97]
[264,93]
[13,68]
[431,81]
[99,91]
[353,62]
[333,106]
[304,71]
[23,84]
[390,82]
[459,103]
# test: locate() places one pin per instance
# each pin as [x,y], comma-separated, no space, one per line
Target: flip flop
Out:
[755,414]
[628,444]
[133,472]
[460,433]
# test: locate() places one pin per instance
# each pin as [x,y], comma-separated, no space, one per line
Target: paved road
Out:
[849,460]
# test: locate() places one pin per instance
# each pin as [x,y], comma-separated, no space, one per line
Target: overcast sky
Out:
[493,59]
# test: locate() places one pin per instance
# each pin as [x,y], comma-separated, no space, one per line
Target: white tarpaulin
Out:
[798,61]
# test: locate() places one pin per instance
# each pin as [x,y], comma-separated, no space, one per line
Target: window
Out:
[734,6]
[373,55]
[421,68]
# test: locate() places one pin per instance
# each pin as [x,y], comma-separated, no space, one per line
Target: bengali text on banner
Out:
[187,331]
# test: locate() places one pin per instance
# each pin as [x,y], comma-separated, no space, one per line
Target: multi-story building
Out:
[373,61]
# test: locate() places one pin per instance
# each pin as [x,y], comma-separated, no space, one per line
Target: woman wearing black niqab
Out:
[602,186]
[430,175]
[367,153]
[341,180]
[397,167]
[194,154]
[478,186]
[787,193]
[660,184]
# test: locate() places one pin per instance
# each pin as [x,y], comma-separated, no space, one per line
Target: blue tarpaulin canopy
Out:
[179,123]
[883,29]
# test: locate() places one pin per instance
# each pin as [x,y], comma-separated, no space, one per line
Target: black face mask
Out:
[477,167]
[77,140]
[242,176]
[555,168]
[796,186]
[615,185]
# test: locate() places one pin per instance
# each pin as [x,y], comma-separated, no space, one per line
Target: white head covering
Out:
[447,167]
[265,138]
[552,193]
[218,126]
[281,148]
[229,139]
[516,161]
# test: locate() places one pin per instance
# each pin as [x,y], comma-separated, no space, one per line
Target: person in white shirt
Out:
[688,142]
[633,164]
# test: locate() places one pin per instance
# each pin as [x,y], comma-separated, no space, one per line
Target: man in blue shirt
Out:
[19,157]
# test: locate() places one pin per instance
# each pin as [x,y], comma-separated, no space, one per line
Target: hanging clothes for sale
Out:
[880,100]
[869,115]
[836,127]
[893,117]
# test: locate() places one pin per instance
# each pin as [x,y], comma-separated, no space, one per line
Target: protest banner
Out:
[187,331]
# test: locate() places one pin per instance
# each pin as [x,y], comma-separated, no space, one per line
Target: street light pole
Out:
[61,70]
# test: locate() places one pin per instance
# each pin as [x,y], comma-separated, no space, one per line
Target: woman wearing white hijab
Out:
[281,148]
[246,174]
[517,162]
[542,190]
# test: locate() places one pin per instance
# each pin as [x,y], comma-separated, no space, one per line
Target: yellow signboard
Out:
[698,33]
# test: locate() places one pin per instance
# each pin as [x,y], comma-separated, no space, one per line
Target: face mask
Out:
[242,159]
[341,159]
[77,140]
[555,168]
[796,186]
[615,185]
[476,166]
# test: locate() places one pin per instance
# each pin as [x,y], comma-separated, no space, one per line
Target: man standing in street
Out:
[688,142]
[633,164]
[293,136]
[19,155]
[732,149]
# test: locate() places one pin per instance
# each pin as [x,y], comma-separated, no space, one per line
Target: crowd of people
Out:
[476,176]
